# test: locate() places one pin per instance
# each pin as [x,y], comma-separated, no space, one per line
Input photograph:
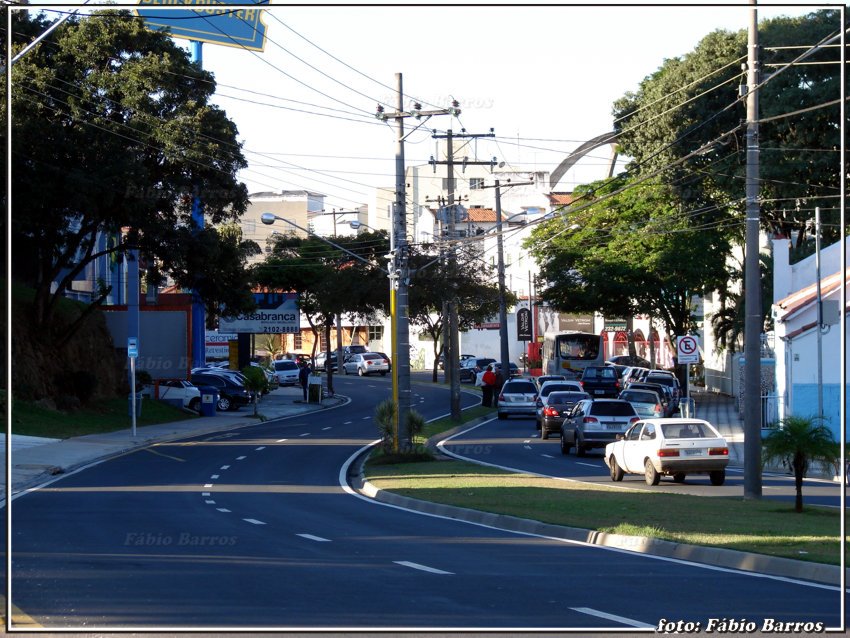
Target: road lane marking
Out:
[318,539]
[327,428]
[586,464]
[548,456]
[280,441]
[527,441]
[205,493]
[347,422]
[366,418]
[173,458]
[223,509]
[253,521]
[620,619]
[214,476]
[225,467]
[209,502]
[527,447]
[424,568]
[208,484]
[241,458]
[262,447]
[305,434]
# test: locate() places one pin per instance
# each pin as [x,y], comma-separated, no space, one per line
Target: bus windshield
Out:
[577,347]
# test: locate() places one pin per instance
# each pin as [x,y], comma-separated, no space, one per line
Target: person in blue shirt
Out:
[304,377]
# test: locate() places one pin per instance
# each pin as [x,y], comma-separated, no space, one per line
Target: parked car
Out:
[601,381]
[347,351]
[647,403]
[632,373]
[543,378]
[177,391]
[469,368]
[628,360]
[325,359]
[665,392]
[441,362]
[665,378]
[518,396]
[497,365]
[553,386]
[365,364]
[594,423]
[674,447]
[558,405]
[386,358]
[271,378]
[286,371]
[231,393]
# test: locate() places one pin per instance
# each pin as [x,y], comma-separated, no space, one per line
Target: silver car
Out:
[595,423]
[365,364]
[286,372]
[518,396]
[646,403]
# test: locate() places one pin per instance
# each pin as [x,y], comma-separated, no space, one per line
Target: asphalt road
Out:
[255,528]
[516,443]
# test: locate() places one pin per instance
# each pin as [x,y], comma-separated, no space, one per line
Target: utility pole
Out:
[504,350]
[453,353]
[398,267]
[752,278]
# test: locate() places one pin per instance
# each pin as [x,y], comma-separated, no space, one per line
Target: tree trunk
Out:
[329,369]
[799,473]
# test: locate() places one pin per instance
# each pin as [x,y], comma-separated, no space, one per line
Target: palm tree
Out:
[800,440]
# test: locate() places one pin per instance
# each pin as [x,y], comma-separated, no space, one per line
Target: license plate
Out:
[613,426]
[693,452]
[599,392]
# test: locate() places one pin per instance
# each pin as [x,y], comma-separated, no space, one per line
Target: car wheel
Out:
[616,471]
[717,477]
[544,433]
[565,447]
[579,446]
[195,405]
[502,415]
[679,477]
[650,473]
[360,372]
[224,404]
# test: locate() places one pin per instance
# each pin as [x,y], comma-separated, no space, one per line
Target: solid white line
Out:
[241,458]
[225,467]
[253,521]
[586,464]
[214,476]
[222,509]
[262,447]
[318,539]
[423,568]
[208,502]
[620,619]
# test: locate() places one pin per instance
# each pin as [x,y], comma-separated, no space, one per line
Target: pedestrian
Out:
[304,377]
[500,381]
[489,380]
[479,383]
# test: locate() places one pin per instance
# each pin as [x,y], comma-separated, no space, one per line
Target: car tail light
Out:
[617,383]
[581,383]
[667,452]
[550,411]
[590,419]
[718,451]
[634,419]
[501,397]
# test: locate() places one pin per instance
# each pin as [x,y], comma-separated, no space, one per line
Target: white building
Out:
[796,342]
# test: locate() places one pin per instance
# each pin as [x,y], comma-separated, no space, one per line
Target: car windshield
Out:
[612,408]
[689,430]
[523,387]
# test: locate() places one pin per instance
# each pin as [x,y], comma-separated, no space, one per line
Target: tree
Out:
[471,282]
[800,441]
[256,382]
[329,281]
[113,135]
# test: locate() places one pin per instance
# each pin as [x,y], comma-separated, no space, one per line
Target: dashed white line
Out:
[223,509]
[241,458]
[225,467]
[527,447]
[262,447]
[367,418]
[214,476]
[548,456]
[208,484]
[305,434]
[347,422]
[586,464]
[327,428]
[620,619]
[424,568]
[205,493]
[209,502]
[253,521]
[311,537]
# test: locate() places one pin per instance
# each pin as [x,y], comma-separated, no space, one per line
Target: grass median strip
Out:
[764,527]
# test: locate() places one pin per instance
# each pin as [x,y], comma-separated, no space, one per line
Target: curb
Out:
[725,558]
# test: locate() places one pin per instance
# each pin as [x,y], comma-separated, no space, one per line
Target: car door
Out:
[568,428]
[632,456]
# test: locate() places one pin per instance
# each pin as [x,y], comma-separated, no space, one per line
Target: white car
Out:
[286,371]
[178,392]
[365,364]
[674,447]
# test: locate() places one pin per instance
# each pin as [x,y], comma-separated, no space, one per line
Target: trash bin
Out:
[139,397]
[209,399]
[687,408]
[314,389]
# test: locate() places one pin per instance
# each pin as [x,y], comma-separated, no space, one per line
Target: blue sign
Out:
[209,21]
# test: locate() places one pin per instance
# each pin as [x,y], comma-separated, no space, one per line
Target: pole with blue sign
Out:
[132,353]
[199,318]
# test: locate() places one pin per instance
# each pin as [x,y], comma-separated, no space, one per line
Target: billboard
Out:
[276,313]
[208,21]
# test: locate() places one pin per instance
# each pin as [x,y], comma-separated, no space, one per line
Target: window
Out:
[376,333]
[476,183]
[297,342]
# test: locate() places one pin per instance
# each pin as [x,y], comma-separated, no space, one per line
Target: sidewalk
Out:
[35,460]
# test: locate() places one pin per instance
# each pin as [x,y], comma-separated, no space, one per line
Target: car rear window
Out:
[639,397]
[372,356]
[612,408]
[567,397]
[525,387]
[662,379]
[691,430]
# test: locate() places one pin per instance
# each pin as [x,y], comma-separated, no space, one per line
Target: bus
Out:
[569,353]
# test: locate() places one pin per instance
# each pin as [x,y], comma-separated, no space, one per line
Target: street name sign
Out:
[210,21]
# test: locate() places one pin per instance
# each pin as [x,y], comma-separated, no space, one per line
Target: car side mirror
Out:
[620,437]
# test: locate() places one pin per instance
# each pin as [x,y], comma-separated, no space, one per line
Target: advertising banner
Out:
[276,313]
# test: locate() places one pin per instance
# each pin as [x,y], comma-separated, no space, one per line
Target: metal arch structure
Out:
[581,151]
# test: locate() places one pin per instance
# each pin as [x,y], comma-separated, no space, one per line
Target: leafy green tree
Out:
[330,282]
[113,134]
[472,282]
[257,382]
[800,441]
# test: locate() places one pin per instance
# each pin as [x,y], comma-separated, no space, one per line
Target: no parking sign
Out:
[688,349]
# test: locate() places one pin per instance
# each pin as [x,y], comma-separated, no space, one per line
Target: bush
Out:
[385,417]
[78,384]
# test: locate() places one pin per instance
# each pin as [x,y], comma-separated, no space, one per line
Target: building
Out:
[296,206]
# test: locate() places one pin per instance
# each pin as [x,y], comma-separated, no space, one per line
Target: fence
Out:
[770,410]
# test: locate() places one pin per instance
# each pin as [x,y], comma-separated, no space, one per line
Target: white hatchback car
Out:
[365,364]
[675,447]
[286,371]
